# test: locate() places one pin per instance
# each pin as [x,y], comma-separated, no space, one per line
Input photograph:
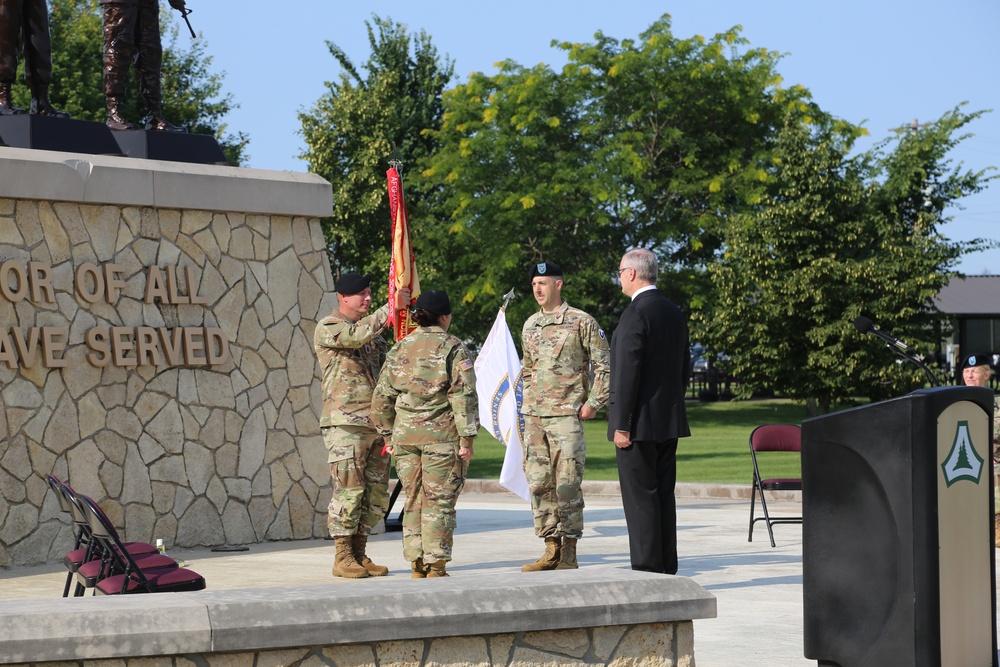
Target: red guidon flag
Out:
[402,266]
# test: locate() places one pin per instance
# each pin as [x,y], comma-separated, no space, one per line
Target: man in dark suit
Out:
[650,367]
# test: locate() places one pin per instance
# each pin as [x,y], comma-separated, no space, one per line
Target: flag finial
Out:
[507,298]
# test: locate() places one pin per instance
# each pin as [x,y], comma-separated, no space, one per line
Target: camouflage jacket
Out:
[351,355]
[427,391]
[561,350]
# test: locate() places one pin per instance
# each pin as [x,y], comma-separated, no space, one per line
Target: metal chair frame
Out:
[772,438]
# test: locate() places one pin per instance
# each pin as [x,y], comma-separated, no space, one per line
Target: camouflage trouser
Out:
[360,480]
[554,455]
[432,477]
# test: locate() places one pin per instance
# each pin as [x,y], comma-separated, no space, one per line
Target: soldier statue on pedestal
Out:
[28,19]
[132,37]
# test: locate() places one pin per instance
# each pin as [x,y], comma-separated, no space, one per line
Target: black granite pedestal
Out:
[57,134]
[173,146]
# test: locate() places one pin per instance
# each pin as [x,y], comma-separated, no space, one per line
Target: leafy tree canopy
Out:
[837,236]
[352,131]
[652,143]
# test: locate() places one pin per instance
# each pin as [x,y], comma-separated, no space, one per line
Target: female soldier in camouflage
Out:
[426,401]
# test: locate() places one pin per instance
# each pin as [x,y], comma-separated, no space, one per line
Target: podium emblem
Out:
[963,461]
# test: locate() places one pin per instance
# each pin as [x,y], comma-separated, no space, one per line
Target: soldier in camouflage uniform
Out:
[976,372]
[426,399]
[351,352]
[566,371]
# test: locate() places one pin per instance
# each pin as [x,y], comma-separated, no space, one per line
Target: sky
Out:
[879,63]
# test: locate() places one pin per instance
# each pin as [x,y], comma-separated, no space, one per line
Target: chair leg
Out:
[753,497]
[767,518]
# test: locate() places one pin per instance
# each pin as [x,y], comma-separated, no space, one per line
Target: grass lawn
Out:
[717,450]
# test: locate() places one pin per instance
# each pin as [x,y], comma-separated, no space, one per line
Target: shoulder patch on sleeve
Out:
[466,365]
[601,333]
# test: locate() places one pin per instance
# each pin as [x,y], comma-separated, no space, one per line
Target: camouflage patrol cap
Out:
[546,270]
[352,283]
[434,301]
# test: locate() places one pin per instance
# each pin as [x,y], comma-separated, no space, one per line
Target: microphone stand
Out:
[935,382]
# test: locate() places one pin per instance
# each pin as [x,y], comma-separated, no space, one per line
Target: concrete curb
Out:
[391,609]
[610,488]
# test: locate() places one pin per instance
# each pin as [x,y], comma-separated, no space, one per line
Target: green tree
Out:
[836,237]
[353,129]
[651,143]
[517,187]
[192,93]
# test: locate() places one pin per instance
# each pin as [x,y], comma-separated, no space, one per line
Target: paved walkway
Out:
[759,588]
[494,538]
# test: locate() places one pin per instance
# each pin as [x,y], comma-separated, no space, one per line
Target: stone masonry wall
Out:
[643,645]
[195,453]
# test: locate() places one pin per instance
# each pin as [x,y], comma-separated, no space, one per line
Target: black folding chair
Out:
[130,574]
[82,546]
[773,438]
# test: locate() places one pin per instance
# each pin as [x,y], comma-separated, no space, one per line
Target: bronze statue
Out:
[30,17]
[132,36]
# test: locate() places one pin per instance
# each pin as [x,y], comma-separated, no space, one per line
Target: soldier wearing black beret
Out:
[565,372]
[351,351]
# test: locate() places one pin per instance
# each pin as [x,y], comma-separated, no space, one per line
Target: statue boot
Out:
[344,564]
[40,103]
[436,569]
[359,544]
[567,555]
[154,121]
[116,121]
[549,560]
[152,96]
[7,107]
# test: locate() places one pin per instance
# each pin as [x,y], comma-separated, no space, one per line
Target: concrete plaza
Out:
[759,588]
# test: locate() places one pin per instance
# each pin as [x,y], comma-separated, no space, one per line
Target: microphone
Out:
[865,325]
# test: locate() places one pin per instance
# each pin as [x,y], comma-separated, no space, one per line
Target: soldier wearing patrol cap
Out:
[565,371]
[976,371]
[351,352]
[426,399]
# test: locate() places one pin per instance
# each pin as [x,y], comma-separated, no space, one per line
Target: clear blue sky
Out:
[880,63]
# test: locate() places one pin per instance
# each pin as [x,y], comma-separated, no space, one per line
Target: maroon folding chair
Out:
[82,544]
[88,553]
[131,576]
[773,438]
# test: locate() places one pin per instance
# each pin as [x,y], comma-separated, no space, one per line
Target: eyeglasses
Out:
[624,268]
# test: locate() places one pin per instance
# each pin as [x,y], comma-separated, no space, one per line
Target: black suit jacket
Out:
[650,368]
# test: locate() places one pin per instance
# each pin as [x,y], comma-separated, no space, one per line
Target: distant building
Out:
[974,305]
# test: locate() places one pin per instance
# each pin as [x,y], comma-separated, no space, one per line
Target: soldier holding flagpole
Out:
[351,351]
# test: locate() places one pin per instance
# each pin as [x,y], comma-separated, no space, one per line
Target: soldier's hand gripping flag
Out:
[402,264]
[498,383]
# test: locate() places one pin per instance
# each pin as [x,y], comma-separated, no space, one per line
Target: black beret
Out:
[546,270]
[975,359]
[434,301]
[352,283]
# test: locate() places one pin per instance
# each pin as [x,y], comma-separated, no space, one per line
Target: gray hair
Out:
[644,263]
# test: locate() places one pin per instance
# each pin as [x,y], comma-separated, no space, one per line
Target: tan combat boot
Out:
[567,555]
[436,569]
[549,559]
[358,545]
[344,565]
[419,569]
